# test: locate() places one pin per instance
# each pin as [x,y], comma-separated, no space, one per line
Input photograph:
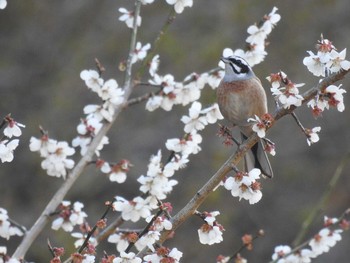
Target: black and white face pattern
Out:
[236,68]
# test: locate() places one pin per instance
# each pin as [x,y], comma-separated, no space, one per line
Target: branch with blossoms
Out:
[158,182]
[290,99]
[319,244]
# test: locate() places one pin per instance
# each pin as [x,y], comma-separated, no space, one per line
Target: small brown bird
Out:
[240,97]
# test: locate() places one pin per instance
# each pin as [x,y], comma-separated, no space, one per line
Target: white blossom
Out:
[147,240]
[13,128]
[92,79]
[88,259]
[128,17]
[81,239]
[289,95]
[69,216]
[312,135]
[245,185]
[3,4]
[140,52]
[195,121]
[6,150]
[324,240]
[209,235]
[153,67]
[120,240]
[56,162]
[132,210]
[7,229]
[127,258]
[179,5]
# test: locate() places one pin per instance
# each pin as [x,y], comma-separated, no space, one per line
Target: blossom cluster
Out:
[325,239]
[7,229]
[111,95]
[285,91]
[8,145]
[256,40]
[116,172]
[55,154]
[69,216]
[3,253]
[245,185]
[176,93]
[331,96]
[261,124]
[211,232]
[327,59]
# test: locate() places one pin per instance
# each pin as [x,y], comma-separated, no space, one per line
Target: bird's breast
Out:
[240,100]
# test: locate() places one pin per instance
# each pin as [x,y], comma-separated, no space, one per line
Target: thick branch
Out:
[234,159]
[43,219]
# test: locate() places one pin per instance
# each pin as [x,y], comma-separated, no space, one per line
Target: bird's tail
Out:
[257,158]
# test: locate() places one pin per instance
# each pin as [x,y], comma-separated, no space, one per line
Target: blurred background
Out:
[45,45]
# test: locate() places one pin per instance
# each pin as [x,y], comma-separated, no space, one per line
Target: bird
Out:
[240,96]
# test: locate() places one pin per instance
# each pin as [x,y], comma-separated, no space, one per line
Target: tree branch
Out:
[43,219]
[234,159]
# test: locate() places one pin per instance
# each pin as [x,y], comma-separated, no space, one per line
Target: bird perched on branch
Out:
[241,96]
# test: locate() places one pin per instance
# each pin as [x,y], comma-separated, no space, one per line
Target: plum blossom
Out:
[285,91]
[87,129]
[260,125]
[140,52]
[157,182]
[88,259]
[6,150]
[256,40]
[164,254]
[324,240]
[179,5]
[69,216]
[81,238]
[282,254]
[92,79]
[132,210]
[185,146]
[312,135]
[335,97]
[121,240]
[117,172]
[127,258]
[209,235]
[245,185]
[195,121]
[128,17]
[147,240]
[210,232]
[154,64]
[7,229]
[326,60]
[111,92]
[13,128]
[56,162]
[330,96]
[3,4]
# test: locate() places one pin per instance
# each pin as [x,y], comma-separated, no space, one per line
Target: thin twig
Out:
[321,204]
[305,243]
